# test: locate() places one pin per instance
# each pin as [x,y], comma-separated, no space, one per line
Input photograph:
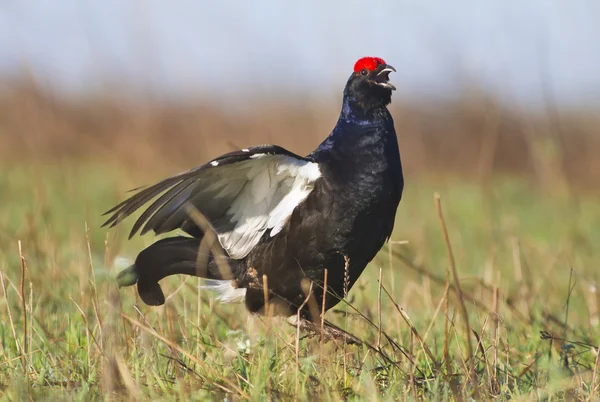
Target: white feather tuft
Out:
[122,262]
[226,292]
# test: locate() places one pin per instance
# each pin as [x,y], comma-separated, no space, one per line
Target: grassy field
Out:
[520,322]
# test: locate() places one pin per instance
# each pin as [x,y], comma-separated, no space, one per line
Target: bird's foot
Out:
[329,331]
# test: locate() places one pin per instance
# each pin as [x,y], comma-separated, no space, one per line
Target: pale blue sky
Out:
[237,47]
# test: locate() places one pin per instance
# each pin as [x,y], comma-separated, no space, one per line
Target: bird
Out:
[265,226]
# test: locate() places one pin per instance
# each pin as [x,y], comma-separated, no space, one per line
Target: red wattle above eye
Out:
[370,63]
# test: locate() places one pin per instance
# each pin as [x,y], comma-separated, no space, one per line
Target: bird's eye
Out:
[364,71]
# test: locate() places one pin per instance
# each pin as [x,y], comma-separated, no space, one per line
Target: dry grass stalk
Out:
[593,384]
[346,287]
[461,299]
[209,244]
[130,385]
[10,316]
[308,294]
[412,329]
[446,351]
[24,306]
[323,304]
[495,334]
[92,279]
[266,307]
[378,343]
[89,333]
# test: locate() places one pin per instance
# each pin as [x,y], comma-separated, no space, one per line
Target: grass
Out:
[527,269]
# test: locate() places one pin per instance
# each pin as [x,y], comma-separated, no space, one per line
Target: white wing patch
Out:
[303,179]
[226,292]
[265,192]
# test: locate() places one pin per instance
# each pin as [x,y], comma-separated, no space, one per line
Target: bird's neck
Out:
[362,112]
[361,140]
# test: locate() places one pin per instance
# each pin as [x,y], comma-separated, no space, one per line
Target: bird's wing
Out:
[243,194]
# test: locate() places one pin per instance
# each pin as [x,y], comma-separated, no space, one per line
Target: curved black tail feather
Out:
[172,256]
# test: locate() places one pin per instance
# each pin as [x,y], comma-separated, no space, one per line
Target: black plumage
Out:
[279,214]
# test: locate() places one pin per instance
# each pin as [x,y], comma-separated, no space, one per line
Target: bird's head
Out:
[369,85]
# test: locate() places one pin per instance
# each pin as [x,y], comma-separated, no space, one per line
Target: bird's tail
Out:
[171,256]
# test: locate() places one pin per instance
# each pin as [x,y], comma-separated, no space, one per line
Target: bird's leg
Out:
[330,331]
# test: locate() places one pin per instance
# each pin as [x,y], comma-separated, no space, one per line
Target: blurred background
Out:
[484,88]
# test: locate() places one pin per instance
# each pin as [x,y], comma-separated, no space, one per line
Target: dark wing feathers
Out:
[146,193]
[149,214]
[244,154]
[127,207]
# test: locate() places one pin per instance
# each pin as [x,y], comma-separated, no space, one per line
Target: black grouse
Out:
[278,214]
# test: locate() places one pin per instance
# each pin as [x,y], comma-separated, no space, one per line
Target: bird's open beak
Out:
[383,77]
